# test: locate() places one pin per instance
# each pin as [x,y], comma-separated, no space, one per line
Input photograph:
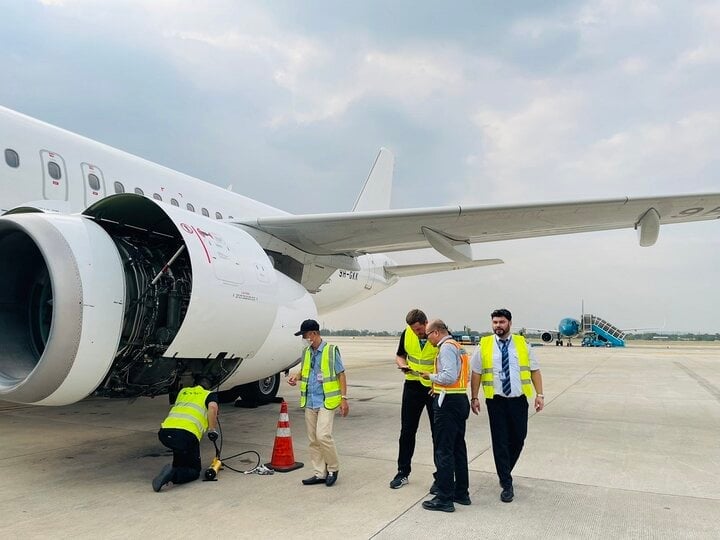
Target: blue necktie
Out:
[505,366]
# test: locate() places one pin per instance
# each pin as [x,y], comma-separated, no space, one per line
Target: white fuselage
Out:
[49,169]
[36,144]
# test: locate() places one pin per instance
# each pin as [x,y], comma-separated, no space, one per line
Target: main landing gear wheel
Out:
[253,394]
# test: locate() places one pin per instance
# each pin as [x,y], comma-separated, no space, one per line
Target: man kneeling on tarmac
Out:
[195,412]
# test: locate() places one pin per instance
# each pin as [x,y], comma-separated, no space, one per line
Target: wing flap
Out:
[407,270]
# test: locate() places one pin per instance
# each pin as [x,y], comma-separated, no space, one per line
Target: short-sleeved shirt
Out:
[448,363]
[515,386]
[401,347]
[212,396]
[315,394]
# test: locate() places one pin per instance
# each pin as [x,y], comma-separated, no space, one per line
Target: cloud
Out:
[517,103]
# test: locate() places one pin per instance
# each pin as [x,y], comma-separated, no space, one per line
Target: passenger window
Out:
[190,207]
[174,202]
[54,170]
[94,182]
[218,215]
[157,197]
[205,212]
[119,188]
[139,191]
[12,158]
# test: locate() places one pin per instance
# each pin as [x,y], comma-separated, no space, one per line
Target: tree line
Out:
[674,337]
[646,336]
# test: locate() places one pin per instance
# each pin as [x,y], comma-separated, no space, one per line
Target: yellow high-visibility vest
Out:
[330,383]
[189,412]
[420,359]
[487,346]
[459,386]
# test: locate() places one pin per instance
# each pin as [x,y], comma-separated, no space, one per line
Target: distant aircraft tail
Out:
[375,195]
[376,192]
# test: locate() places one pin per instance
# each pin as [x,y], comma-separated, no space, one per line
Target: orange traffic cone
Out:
[283,458]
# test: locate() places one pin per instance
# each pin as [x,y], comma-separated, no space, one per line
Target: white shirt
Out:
[515,386]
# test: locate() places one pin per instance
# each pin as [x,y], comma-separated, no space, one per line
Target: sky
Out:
[481,103]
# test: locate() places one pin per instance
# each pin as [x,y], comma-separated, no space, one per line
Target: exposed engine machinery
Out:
[158,283]
[134,298]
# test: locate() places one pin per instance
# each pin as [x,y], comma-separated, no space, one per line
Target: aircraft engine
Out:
[546,337]
[134,297]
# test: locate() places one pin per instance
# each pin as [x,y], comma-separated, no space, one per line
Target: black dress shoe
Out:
[507,494]
[331,478]
[437,504]
[465,501]
[313,480]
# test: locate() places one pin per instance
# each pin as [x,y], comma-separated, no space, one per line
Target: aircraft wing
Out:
[451,230]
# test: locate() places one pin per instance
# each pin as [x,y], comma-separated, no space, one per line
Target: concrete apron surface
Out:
[627,447]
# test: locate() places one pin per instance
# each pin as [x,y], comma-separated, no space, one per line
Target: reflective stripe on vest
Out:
[189,412]
[487,346]
[459,386]
[330,384]
[420,359]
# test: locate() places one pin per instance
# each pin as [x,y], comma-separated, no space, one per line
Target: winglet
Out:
[375,194]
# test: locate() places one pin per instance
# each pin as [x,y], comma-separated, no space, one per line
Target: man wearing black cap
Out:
[322,390]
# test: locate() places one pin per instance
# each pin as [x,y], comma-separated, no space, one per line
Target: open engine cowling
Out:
[131,298]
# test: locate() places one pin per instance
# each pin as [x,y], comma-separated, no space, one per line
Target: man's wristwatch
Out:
[475,399]
[541,395]
[343,397]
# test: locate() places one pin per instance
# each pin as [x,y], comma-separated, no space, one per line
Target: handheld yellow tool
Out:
[212,471]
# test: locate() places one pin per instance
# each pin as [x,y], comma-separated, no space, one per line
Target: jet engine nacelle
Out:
[546,337]
[133,297]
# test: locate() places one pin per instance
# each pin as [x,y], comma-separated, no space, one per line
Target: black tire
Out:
[262,391]
[254,393]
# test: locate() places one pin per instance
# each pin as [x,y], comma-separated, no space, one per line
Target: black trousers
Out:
[415,398]
[450,449]
[186,453]
[508,429]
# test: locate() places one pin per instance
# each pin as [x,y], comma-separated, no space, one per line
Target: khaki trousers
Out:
[323,454]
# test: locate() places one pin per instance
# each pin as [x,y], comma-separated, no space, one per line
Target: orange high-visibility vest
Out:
[459,386]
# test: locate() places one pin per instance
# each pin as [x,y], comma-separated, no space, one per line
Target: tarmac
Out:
[628,446]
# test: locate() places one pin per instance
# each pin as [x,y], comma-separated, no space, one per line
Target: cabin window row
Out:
[12,159]
[120,188]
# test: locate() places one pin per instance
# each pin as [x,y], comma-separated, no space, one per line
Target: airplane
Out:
[593,330]
[123,278]
[569,328]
